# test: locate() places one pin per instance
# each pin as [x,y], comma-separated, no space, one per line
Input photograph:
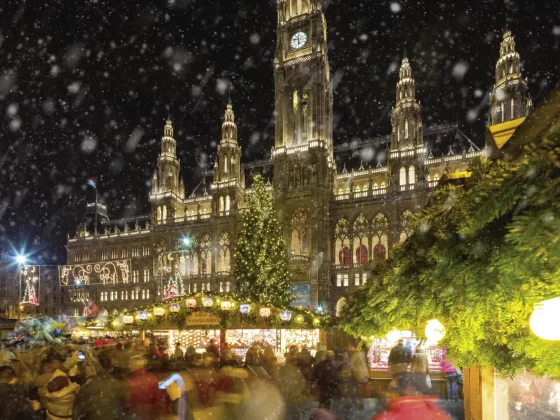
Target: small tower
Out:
[229,179]
[406,116]
[167,185]
[510,98]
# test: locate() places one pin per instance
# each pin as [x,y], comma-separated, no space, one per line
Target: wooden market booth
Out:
[195,320]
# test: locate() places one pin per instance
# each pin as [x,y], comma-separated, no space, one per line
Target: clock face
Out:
[298,40]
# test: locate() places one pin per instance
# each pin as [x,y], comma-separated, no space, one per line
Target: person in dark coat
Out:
[325,374]
[102,398]
[15,405]
[399,359]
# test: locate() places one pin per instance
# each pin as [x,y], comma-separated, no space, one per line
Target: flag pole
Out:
[95,234]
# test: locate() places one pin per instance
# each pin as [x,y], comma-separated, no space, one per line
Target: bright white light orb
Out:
[544,319]
[21,259]
[393,336]
[435,331]
[186,241]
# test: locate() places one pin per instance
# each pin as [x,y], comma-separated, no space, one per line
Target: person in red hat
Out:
[412,407]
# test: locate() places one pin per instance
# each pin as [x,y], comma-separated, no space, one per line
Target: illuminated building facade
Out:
[340,206]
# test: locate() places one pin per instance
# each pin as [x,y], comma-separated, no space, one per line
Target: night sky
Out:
[85,86]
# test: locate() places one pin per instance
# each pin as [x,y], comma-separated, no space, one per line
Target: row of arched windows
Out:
[198,260]
[353,243]
[410,179]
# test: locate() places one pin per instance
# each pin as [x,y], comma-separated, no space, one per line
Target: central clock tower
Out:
[302,155]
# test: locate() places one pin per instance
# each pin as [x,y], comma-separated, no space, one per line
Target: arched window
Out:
[221,205]
[342,241]
[225,260]
[436,178]
[361,254]
[411,175]
[361,240]
[340,306]
[502,111]
[406,128]
[406,225]
[228,203]
[164,212]
[344,255]
[402,176]
[159,213]
[299,241]
[205,255]
[375,186]
[225,164]
[379,229]
[379,252]
[115,312]
[512,108]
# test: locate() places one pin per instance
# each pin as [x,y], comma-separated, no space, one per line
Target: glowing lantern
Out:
[207,302]
[225,305]
[393,336]
[174,307]
[544,319]
[285,315]
[244,308]
[316,321]
[299,318]
[191,303]
[435,331]
[265,312]
[142,315]
[128,319]
[159,311]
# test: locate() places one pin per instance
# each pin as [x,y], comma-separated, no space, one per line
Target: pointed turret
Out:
[166,179]
[510,98]
[406,116]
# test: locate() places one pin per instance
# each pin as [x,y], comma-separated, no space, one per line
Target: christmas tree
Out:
[261,269]
[174,287]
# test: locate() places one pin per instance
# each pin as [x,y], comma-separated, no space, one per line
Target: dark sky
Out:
[84,87]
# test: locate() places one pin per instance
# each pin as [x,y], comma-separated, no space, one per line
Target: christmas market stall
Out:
[236,324]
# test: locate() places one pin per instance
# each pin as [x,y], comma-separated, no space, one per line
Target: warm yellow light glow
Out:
[394,335]
[435,331]
[545,318]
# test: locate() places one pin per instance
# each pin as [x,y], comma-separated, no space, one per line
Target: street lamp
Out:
[544,319]
[20,259]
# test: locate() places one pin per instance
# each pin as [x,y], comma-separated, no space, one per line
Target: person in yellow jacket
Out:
[232,389]
[60,396]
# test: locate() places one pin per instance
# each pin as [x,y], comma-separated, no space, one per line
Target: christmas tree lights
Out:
[261,268]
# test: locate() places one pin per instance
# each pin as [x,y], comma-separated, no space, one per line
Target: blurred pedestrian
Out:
[451,377]
[60,396]
[399,359]
[144,395]
[420,370]
[412,407]
[15,404]
[325,374]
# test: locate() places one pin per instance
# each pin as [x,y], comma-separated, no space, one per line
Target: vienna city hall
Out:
[337,213]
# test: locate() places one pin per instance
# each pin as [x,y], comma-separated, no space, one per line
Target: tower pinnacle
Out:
[509,98]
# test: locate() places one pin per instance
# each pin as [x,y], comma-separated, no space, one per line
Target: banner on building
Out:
[301,295]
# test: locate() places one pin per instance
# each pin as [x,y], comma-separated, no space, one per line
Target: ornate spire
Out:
[510,97]
[168,129]
[229,128]
[406,87]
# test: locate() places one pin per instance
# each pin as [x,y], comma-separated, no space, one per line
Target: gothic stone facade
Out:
[337,213]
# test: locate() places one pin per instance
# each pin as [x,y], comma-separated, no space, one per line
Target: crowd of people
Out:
[109,378]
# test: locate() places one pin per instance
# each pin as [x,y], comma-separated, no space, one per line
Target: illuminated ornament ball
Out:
[545,319]
[128,319]
[191,303]
[244,308]
[174,307]
[225,305]
[142,315]
[435,331]
[207,302]
[159,311]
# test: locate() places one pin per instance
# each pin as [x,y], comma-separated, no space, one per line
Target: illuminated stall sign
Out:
[202,318]
[109,272]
